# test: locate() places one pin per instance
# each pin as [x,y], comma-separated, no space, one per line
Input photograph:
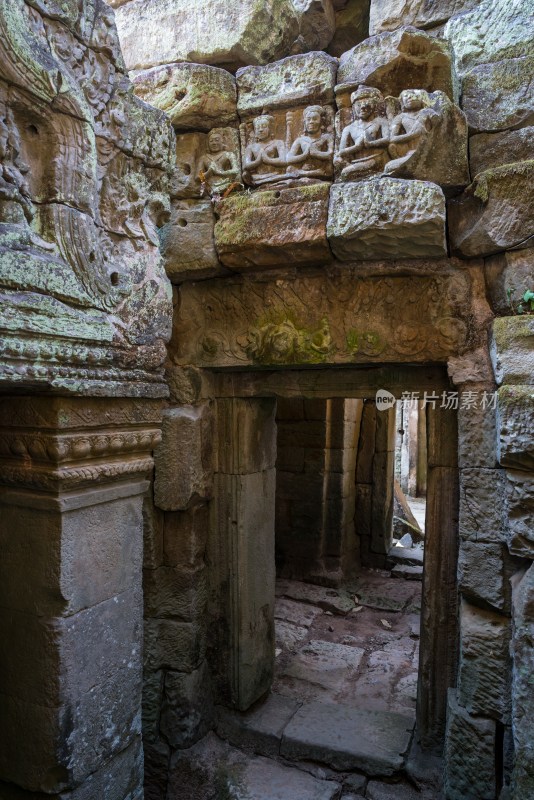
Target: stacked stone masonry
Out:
[327,184]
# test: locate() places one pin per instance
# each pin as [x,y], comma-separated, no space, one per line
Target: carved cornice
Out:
[57,444]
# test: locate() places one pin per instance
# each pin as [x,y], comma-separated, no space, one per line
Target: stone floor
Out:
[339,722]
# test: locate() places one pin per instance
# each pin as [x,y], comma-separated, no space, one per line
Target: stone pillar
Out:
[74,472]
[241,550]
[439,626]
[375,472]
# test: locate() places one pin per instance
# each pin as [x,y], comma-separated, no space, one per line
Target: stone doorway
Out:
[241,550]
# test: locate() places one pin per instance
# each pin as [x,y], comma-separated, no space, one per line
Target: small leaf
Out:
[529,295]
[385,623]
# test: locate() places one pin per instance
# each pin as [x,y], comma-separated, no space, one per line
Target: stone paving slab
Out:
[294,612]
[289,636]
[374,742]
[261,728]
[266,780]
[409,556]
[408,572]
[336,601]
[327,664]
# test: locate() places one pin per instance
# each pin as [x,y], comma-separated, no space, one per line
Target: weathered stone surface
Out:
[169,644]
[185,534]
[477,430]
[484,572]
[469,754]
[488,150]
[317,23]
[516,412]
[495,211]
[175,593]
[498,95]
[188,243]
[254,322]
[194,96]
[348,739]
[502,26]
[522,695]
[404,59]
[520,498]
[179,480]
[298,80]
[187,712]
[513,350]
[87,169]
[272,228]
[247,431]
[508,276]
[387,218]
[352,26]
[261,728]
[387,15]
[214,769]
[328,599]
[482,508]
[326,664]
[161,32]
[484,673]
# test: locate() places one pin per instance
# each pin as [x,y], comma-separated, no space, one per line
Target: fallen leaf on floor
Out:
[331,628]
[356,599]
[329,613]
[356,609]
[277,652]
[385,623]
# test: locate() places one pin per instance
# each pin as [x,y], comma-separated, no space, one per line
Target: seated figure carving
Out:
[409,128]
[218,168]
[265,158]
[363,145]
[311,153]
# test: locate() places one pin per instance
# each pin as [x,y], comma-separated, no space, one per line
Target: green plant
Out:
[526,306]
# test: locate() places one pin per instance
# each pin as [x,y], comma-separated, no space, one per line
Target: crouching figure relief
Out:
[363,144]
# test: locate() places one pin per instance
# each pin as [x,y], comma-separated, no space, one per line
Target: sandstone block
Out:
[469,754]
[503,26]
[522,695]
[248,430]
[273,228]
[388,15]
[187,711]
[513,350]
[352,26]
[175,593]
[152,699]
[477,433]
[520,499]
[508,276]
[194,96]
[488,150]
[516,412]
[184,459]
[185,534]
[484,673]
[387,218]
[162,32]
[404,59]
[187,241]
[298,80]
[498,95]
[317,23]
[484,572]
[152,533]
[169,644]
[482,507]
[481,221]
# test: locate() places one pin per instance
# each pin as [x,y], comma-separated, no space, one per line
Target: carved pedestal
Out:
[73,472]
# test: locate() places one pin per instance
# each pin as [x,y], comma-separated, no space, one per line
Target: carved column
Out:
[73,472]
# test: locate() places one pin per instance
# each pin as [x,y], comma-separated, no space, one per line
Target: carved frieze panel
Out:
[83,188]
[327,317]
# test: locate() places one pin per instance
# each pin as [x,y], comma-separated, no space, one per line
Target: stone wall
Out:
[324,215]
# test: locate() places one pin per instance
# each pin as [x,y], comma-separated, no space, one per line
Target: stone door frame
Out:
[439,624]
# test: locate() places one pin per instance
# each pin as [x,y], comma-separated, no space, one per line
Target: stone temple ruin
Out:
[266,272]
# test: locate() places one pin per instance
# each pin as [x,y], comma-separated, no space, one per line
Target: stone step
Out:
[409,556]
[373,742]
[409,573]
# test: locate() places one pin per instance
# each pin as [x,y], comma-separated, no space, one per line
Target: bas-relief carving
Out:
[336,318]
[79,212]
[218,169]
[416,136]
[288,149]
